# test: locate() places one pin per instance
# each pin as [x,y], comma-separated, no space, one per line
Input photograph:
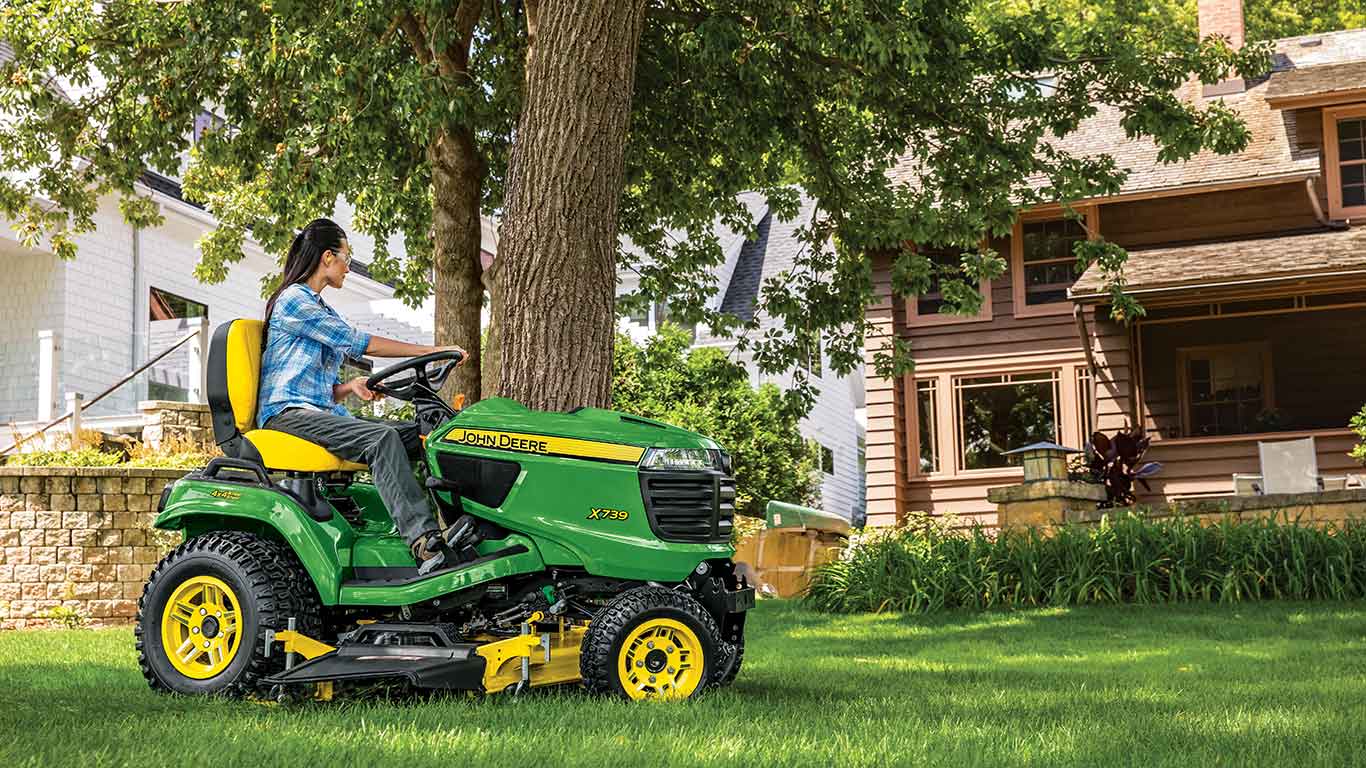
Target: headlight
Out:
[676,458]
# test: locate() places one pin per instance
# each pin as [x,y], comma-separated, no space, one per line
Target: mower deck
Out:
[427,657]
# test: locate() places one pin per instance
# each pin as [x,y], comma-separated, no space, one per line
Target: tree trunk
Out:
[457,178]
[556,271]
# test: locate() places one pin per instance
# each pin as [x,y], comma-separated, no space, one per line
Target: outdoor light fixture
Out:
[1043,461]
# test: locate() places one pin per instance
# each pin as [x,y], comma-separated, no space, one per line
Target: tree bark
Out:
[556,272]
[457,180]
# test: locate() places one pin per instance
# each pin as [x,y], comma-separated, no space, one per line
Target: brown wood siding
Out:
[1230,214]
[886,435]
[1115,374]
[1003,334]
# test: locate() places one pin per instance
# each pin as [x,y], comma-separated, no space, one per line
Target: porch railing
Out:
[49,361]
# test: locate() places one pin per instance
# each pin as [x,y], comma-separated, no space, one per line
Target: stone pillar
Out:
[1045,503]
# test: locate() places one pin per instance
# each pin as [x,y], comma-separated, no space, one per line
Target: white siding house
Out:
[99,306]
[836,419]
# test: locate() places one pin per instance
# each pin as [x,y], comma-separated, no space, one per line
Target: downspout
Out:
[1318,209]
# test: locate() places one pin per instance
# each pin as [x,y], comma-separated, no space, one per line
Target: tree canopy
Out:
[409,110]
[702,390]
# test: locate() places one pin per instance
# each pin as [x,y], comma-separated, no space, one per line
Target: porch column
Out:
[198,373]
[49,361]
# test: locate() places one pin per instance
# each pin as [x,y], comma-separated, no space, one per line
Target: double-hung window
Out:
[1345,150]
[1044,262]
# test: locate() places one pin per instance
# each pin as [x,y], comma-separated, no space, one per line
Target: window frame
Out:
[915,318]
[1183,383]
[1057,379]
[1090,222]
[1333,171]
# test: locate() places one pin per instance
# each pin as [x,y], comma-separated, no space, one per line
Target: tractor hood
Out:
[504,414]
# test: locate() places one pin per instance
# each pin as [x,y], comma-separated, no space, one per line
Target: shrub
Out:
[1126,559]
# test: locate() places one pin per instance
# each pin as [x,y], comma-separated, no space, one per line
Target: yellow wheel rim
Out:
[660,659]
[200,627]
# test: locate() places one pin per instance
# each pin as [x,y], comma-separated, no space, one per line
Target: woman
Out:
[305,343]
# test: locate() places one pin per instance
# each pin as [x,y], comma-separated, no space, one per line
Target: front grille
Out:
[693,506]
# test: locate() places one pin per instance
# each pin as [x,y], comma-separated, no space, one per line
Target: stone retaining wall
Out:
[77,541]
[166,419]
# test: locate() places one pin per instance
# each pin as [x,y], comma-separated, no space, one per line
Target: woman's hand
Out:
[355,387]
[463,354]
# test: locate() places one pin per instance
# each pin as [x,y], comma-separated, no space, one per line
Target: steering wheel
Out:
[420,381]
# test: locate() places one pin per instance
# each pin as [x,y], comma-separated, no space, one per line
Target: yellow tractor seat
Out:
[234,379]
[281,450]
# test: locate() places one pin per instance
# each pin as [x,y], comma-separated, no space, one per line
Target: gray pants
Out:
[387,446]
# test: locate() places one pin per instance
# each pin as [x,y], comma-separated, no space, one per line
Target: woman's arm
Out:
[383,347]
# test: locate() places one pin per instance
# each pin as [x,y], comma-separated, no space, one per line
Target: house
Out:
[129,294]
[1252,270]
[835,421]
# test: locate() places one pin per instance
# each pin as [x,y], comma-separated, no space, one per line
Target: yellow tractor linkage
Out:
[528,660]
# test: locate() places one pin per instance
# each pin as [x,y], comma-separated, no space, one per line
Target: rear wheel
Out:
[650,643]
[206,607]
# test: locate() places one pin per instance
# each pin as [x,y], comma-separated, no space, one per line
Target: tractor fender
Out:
[200,506]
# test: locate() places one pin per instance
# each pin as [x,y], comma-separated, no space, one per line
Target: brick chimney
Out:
[1223,17]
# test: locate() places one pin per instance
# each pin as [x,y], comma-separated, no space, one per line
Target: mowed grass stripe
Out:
[1190,685]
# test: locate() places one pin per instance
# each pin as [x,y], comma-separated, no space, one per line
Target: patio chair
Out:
[1290,466]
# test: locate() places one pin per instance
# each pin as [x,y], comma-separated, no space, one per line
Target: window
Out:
[664,313]
[1225,390]
[827,460]
[925,308]
[996,414]
[169,319]
[927,421]
[1044,262]
[1345,147]
[811,355]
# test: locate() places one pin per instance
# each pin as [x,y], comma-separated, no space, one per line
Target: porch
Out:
[1242,342]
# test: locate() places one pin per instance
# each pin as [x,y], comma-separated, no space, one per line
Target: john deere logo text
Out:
[222,494]
[500,440]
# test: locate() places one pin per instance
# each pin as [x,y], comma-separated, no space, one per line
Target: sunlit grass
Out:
[1191,685]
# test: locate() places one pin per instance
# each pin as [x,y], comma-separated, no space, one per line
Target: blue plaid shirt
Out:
[305,348]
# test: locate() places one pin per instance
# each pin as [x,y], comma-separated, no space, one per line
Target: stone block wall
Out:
[182,422]
[78,540]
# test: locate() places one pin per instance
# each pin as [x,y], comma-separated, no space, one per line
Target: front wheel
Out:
[650,643]
[205,608]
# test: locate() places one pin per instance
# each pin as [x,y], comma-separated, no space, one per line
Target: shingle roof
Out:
[1272,150]
[773,251]
[1313,81]
[1234,261]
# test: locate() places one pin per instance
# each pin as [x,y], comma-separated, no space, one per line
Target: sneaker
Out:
[430,552]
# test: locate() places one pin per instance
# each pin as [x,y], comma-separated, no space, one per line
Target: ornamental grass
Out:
[931,567]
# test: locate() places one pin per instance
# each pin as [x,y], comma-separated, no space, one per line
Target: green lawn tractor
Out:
[592,548]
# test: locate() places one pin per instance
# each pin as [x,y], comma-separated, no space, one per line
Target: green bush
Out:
[1128,559]
[88,456]
[705,391]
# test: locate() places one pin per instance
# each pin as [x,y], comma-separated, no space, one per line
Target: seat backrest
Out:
[1289,466]
[234,378]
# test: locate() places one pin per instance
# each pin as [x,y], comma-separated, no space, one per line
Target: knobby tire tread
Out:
[278,587]
[597,659]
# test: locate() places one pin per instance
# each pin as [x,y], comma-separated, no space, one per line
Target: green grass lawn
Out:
[1188,686]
